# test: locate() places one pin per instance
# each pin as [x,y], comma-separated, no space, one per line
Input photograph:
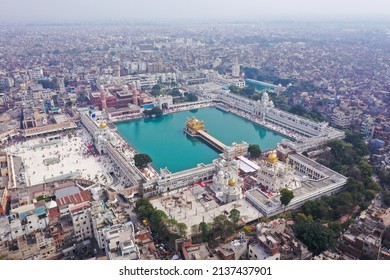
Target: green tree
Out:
[358,142]
[234,216]
[175,92]
[248,91]
[341,204]
[234,89]
[142,160]
[366,168]
[172,225]
[157,219]
[195,230]
[182,229]
[335,227]
[48,83]
[205,231]
[156,90]
[318,209]
[156,111]
[386,197]
[69,103]
[254,150]
[384,176]
[286,196]
[191,97]
[222,227]
[144,209]
[315,236]
[300,217]
[3,88]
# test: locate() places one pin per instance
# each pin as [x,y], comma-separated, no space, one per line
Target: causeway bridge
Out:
[195,128]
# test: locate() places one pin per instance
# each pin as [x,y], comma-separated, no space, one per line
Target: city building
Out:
[369,236]
[340,118]
[35,73]
[367,127]
[120,242]
[306,178]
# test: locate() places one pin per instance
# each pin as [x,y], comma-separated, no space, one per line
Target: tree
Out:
[142,160]
[156,111]
[318,209]
[234,217]
[195,230]
[335,227]
[300,217]
[384,176]
[191,97]
[47,83]
[3,88]
[144,209]
[254,150]
[366,168]
[172,225]
[248,91]
[223,227]
[286,196]
[156,90]
[204,230]
[175,92]
[182,228]
[157,219]
[386,197]
[315,236]
[69,103]
[342,204]
[234,89]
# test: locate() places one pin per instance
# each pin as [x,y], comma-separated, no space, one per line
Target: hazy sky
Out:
[69,10]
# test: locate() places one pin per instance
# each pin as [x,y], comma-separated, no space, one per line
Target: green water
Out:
[166,143]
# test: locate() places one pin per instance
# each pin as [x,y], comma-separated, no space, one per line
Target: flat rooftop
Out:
[193,210]
[74,159]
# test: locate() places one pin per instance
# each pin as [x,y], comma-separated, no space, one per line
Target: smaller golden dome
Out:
[232,182]
[103,124]
[272,157]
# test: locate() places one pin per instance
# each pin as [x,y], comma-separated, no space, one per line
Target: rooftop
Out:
[82,196]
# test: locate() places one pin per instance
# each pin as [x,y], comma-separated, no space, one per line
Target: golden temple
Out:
[194,124]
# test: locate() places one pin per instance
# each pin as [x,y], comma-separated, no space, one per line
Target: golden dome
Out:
[103,124]
[272,157]
[232,182]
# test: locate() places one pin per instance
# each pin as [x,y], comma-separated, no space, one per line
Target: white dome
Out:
[51,204]
[220,173]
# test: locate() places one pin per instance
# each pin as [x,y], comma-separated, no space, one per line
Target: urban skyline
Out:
[76,87]
[174,10]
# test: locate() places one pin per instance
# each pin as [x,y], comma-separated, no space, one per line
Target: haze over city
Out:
[183,130]
[173,10]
